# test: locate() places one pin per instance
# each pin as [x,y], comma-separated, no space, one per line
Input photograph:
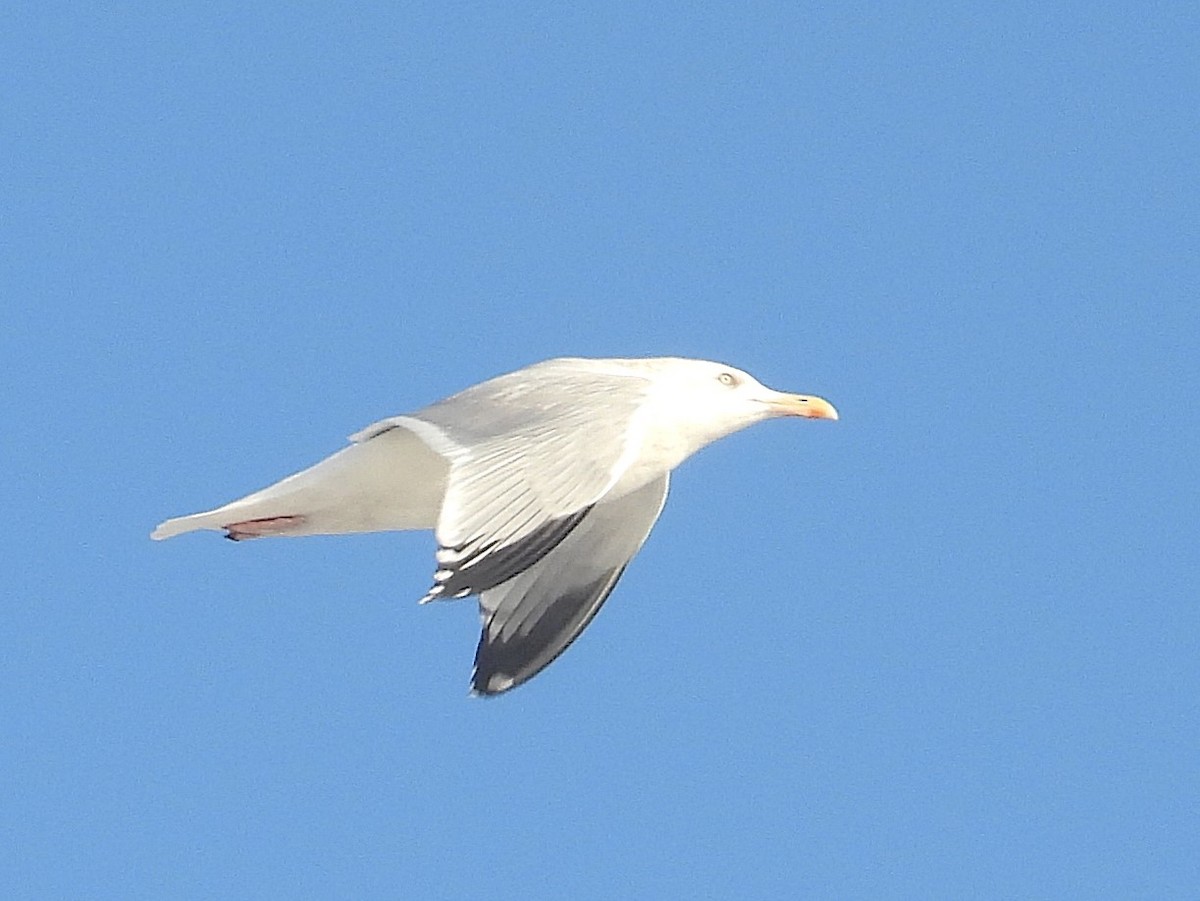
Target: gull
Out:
[540,486]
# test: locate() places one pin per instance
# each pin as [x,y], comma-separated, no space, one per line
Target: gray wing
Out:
[532,618]
[530,454]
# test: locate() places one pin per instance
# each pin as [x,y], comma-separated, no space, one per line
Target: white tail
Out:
[390,481]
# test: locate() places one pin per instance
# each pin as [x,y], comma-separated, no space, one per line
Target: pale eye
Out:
[728,379]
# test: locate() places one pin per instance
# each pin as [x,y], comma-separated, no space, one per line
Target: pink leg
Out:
[260,528]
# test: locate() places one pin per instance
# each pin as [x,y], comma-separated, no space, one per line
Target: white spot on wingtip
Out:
[501,683]
[438,593]
[496,684]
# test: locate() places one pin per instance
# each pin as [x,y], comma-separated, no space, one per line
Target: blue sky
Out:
[947,647]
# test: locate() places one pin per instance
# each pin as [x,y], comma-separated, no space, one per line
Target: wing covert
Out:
[531,453]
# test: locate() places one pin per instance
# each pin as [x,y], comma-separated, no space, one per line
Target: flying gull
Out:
[540,487]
